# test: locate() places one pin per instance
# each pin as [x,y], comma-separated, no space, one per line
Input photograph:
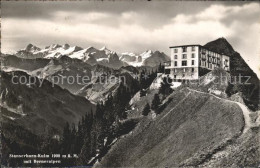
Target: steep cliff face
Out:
[238,67]
[237,63]
[220,45]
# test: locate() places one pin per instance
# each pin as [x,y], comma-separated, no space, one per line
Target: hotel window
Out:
[184,63]
[226,62]
[184,56]
[175,56]
[175,63]
[192,62]
[192,69]
[184,49]
[175,50]
[175,76]
[193,48]
[192,55]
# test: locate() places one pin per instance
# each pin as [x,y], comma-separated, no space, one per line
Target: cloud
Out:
[139,30]
[220,12]
[44,9]
[79,18]
[239,24]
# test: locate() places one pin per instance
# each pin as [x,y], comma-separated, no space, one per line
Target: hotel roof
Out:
[190,45]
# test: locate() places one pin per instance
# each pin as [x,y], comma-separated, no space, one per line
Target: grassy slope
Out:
[243,152]
[193,123]
[138,103]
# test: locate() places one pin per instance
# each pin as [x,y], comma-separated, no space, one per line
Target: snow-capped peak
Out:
[107,51]
[93,55]
[129,53]
[31,48]
[77,48]
[55,46]
[103,48]
[146,54]
[90,47]
[66,46]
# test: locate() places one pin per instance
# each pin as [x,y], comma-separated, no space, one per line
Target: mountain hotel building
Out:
[193,61]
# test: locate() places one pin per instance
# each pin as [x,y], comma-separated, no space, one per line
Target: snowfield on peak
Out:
[82,54]
[146,54]
[93,56]
[129,54]
[147,58]
[107,51]
[59,51]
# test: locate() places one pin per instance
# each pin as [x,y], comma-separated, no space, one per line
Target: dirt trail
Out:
[246,113]
[249,123]
[245,110]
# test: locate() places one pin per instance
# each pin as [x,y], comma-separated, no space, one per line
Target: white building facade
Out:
[193,61]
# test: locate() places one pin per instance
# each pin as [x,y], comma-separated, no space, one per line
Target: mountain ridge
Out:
[176,134]
[93,56]
[238,67]
[38,104]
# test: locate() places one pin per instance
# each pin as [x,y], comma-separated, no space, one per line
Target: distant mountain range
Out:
[198,124]
[79,60]
[94,56]
[65,66]
[42,108]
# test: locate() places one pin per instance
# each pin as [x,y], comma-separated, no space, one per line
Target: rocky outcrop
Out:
[249,84]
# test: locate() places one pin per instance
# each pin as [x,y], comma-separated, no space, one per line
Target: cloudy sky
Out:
[132,26]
